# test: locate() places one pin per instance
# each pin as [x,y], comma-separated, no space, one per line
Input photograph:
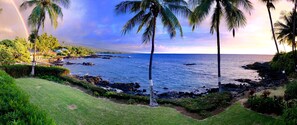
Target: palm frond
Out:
[64,3]
[148,33]
[137,19]
[128,6]
[234,17]
[201,11]
[29,3]
[216,18]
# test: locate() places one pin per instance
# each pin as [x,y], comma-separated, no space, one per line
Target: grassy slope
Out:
[55,99]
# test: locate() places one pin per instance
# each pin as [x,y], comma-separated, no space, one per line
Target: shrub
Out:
[290,116]
[15,107]
[283,61]
[265,104]
[52,78]
[291,91]
[84,84]
[19,71]
[206,103]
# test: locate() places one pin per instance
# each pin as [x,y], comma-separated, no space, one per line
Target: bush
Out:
[84,84]
[205,103]
[291,91]
[18,71]
[283,61]
[290,116]
[15,107]
[265,104]
[52,78]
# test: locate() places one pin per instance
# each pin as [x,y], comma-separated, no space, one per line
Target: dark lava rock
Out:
[126,87]
[175,94]
[212,90]
[70,63]
[88,64]
[190,64]
[91,79]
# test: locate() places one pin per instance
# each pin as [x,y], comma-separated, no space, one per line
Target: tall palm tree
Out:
[147,12]
[38,15]
[269,5]
[284,30]
[222,8]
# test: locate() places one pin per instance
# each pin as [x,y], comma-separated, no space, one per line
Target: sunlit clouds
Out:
[93,23]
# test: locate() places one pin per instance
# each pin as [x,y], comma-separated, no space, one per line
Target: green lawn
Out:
[69,106]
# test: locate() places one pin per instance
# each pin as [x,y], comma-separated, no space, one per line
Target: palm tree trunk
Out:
[219,49]
[34,56]
[294,34]
[272,29]
[153,102]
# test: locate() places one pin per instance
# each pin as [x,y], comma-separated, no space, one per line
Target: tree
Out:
[269,5]
[284,30]
[15,50]
[38,15]
[46,43]
[147,12]
[222,8]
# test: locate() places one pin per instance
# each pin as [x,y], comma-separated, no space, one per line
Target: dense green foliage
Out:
[45,43]
[75,51]
[12,51]
[283,61]
[15,107]
[291,91]
[19,71]
[290,116]
[203,105]
[55,98]
[266,104]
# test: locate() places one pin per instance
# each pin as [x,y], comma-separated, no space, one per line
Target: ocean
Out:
[170,71]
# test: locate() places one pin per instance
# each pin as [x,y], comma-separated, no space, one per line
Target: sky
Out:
[93,23]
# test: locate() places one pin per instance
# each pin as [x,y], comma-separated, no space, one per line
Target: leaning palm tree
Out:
[147,12]
[284,30]
[269,5]
[38,15]
[222,8]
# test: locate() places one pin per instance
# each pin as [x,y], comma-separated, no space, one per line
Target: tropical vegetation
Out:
[38,15]
[15,105]
[14,51]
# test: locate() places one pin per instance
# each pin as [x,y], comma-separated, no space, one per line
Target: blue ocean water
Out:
[169,70]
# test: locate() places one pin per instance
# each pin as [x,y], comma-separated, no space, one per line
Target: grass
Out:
[69,106]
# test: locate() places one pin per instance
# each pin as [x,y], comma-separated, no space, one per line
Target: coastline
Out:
[268,80]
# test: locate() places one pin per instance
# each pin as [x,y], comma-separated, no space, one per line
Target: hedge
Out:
[15,107]
[18,71]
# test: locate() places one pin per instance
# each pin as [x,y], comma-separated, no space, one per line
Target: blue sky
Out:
[94,23]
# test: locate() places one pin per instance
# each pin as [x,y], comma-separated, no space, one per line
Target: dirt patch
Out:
[72,107]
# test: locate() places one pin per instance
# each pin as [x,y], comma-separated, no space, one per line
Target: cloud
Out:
[94,23]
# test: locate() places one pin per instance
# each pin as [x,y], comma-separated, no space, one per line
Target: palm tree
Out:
[284,30]
[269,5]
[147,12]
[227,8]
[38,15]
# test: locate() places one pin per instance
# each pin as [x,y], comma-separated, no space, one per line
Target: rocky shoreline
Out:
[59,62]
[269,78]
